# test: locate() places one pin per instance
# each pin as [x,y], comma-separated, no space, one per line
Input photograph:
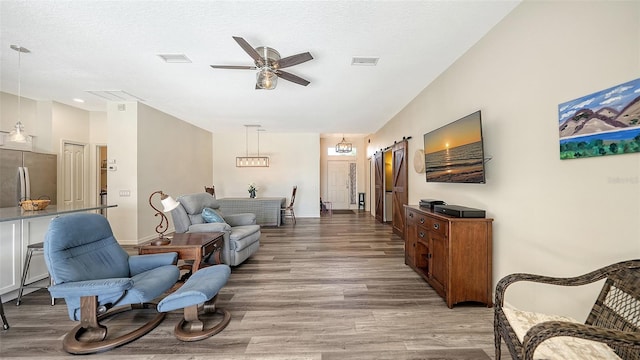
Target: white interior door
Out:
[338,184]
[74,175]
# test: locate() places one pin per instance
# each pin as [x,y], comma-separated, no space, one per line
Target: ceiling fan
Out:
[268,63]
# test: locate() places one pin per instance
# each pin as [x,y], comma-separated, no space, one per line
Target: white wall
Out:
[152,151]
[294,160]
[98,135]
[50,123]
[33,125]
[122,119]
[174,157]
[70,124]
[553,217]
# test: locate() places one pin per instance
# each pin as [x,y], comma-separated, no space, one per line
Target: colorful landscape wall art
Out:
[604,123]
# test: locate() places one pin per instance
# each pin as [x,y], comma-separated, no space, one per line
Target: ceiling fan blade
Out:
[293,60]
[234,67]
[249,50]
[293,78]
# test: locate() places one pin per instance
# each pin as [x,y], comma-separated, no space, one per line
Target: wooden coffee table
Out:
[189,246]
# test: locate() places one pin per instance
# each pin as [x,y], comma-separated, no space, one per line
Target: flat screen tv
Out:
[454,153]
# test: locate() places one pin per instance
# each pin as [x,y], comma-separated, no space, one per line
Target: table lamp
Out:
[168,204]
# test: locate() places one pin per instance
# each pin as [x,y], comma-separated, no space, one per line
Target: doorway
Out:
[101,176]
[391,189]
[74,174]
[338,184]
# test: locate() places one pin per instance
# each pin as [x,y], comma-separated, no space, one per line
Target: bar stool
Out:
[361,201]
[27,261]
[329,206]
[5,323]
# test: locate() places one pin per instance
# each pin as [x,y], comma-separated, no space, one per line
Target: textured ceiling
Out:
[79,46]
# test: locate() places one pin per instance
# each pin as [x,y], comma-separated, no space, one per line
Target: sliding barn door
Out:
[379,186]
[400,187]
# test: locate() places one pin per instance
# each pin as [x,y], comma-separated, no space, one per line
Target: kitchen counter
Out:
[17,213]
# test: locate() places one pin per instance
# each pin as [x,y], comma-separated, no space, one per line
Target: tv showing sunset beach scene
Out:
[454,153]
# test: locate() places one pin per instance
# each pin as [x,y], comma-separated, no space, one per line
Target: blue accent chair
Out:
[94,274]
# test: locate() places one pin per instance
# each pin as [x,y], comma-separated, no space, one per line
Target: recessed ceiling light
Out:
[174,58]
[78,100]
[364,61]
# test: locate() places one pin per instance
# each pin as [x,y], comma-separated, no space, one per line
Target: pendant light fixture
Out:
[252,161]
[343,146]
[17,134]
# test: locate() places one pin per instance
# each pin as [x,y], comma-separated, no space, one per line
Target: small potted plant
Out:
[252,190]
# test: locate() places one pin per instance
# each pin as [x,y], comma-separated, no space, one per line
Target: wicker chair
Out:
[614,319]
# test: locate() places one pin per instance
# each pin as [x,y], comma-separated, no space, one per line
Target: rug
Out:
[341,211]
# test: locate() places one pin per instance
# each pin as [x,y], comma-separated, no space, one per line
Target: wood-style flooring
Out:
[335,287]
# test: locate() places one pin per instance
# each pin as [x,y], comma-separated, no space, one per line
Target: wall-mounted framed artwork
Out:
[606,122]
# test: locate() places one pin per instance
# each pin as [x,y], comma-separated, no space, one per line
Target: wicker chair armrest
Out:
[584,279]
[546,330]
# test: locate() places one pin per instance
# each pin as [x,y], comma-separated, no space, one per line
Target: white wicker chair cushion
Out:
[561,347]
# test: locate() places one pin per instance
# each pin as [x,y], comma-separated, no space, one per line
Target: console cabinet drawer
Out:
[437,226]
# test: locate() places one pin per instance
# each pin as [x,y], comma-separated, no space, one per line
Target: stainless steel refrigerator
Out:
[39,180]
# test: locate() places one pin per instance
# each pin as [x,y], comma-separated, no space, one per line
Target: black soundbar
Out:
[430,203]
[459,211]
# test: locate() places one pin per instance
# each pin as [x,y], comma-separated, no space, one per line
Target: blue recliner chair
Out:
[93,273]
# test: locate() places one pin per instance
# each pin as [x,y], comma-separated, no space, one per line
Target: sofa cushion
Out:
[196,219]
[209,215]
[240,219]
[243,236]
[561,347]
[209,227]
[195,203]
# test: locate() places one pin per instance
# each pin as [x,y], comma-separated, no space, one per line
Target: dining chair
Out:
[287,212]
[5,323]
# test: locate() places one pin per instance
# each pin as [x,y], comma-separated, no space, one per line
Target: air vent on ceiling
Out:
[364,61]
[114,95]
[175,58]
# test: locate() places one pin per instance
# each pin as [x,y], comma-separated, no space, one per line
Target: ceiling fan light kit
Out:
[268,63]
[266,79]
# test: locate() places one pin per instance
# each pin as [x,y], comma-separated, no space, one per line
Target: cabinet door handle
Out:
[421,220]
[436,226]
[410,215]
[429,256]
[421,234]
